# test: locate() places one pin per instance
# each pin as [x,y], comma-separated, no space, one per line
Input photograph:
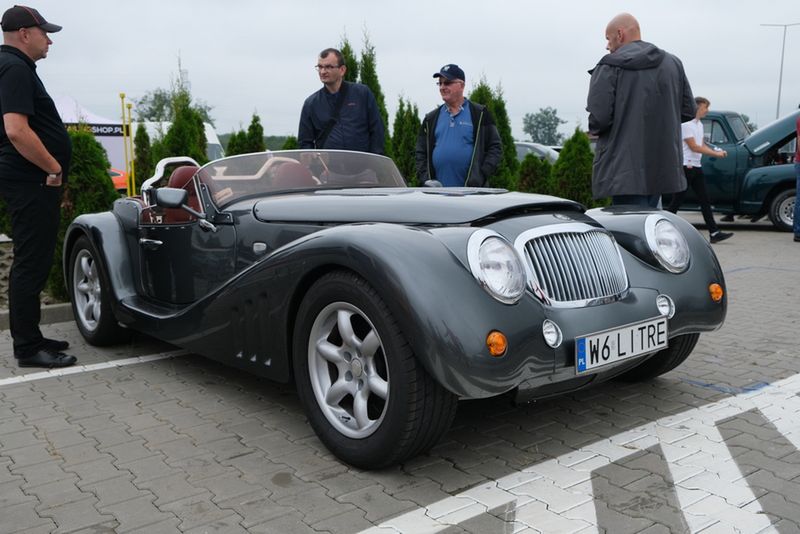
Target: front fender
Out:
[108,238]
[760,184]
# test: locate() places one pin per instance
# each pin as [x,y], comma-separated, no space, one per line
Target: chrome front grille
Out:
[573,264]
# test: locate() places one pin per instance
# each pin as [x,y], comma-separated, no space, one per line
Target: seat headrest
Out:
[293,175]
[181,176]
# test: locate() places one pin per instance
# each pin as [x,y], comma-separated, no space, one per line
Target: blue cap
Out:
[451,71]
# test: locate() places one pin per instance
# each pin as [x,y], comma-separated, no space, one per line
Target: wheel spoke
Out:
[88,306]
[346,328]
[96,310]
[370,344]
[360,408]
[86,267]
[84,287]
[378,386]
[330,352]
[337,392]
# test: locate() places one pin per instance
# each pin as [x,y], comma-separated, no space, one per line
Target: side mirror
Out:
[169,197]
[432,183]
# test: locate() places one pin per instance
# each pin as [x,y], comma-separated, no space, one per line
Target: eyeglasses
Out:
[446,82]
[327,67]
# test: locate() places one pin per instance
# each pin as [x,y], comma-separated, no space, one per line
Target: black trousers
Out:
[35,211]
[695,180]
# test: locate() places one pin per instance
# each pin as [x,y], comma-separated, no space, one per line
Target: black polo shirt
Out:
[21,91]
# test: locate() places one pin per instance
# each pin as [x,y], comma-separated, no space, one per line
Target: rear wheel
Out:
[663,361]
[90,296]
[781,209]
[367,397]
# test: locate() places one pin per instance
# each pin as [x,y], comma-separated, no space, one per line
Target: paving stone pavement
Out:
[177,443]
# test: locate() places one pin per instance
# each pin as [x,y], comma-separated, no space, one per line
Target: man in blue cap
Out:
[35,152]
[458,142]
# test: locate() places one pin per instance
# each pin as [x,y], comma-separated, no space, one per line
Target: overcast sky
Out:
[246,56]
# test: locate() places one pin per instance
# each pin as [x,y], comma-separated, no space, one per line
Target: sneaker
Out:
[797,239]
[718,236]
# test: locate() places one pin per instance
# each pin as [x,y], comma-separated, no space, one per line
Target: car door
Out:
[182,261]
[720,173]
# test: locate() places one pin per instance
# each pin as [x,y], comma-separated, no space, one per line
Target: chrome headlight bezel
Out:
[507,263]
[667,244]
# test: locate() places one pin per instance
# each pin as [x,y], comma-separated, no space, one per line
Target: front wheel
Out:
[90,296]
[781,209]
[367,397]
[663,361]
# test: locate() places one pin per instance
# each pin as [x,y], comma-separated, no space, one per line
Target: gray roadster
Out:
[387,304]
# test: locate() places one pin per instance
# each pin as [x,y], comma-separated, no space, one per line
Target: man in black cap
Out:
[35,152]
[458,142]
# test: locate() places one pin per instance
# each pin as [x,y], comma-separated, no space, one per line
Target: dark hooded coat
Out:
[638,98]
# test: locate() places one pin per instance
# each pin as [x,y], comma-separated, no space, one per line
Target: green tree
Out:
[236,143]
[255,135]
[143,156]
[156,106]
[186,136]
[89,189]
[404,139]
[534,175]
[506,175]
[369,77]
[351,74]
[542,127]
[290,143]
[750,124]
[572,172]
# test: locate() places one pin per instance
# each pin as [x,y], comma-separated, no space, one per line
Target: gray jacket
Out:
[638,98]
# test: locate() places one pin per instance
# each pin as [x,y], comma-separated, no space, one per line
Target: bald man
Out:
[638,98]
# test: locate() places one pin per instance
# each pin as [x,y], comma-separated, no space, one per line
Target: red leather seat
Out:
[181,178]
[292,175]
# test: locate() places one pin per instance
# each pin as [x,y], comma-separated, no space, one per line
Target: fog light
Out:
[665,306]
[552,333]
[716,292]
[497,343]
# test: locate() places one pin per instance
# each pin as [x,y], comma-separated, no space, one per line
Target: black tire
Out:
[400,412]
[781,209]
[663,361]
[89,292]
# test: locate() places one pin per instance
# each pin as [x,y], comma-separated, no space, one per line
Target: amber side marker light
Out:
[497,343]
[716,292]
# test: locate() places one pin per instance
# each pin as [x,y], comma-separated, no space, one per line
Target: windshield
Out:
[232,178]
[739,126]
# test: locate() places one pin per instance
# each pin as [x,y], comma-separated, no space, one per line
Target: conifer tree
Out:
[290,143]
[572,172]
[255,136]
[534,175]
[351,74]
[369,77]
[404,139]
[187,135]
[143,156]
[506,175]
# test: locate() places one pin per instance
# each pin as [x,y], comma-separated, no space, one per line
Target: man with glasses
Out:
[458,143]
[341,115]
[35,152]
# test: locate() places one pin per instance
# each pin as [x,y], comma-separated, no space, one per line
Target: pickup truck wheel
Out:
[367,397]
[90,294]
[781,209]
[663,361]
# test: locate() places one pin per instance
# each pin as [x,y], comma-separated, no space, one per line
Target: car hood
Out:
[406,205]
[765,137]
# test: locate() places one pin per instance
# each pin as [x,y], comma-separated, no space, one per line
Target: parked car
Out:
[757,178]
[119,179]
[540,151]
[387,304]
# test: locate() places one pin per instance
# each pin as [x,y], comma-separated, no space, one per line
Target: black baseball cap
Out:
[450,71]
[25,17]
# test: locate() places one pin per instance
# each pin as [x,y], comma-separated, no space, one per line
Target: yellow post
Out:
[125,139]
[132,175]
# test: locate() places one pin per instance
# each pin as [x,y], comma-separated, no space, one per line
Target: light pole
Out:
[780,76]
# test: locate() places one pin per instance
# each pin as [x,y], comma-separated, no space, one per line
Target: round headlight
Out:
[667,244]
[552,333]
[496,266]
[666,306]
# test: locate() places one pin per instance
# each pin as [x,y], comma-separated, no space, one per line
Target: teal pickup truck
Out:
[757,178]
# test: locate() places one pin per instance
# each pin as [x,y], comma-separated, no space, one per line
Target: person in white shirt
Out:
[694,147]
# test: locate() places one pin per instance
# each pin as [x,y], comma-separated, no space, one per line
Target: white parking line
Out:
[779,402]
[76,369]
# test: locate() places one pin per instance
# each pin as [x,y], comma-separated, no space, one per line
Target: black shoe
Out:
[727,218]
[47,359]
[718,236]
[797,239]
[56,345]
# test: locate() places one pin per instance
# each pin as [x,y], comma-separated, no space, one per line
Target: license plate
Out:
[611,346]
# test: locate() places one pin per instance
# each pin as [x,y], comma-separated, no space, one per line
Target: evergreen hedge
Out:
[571,176]
[507,172]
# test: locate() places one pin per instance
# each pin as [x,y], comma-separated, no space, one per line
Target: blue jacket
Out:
[359,126]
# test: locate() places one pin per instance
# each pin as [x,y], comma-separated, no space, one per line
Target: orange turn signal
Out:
[716,292]
[497,343]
